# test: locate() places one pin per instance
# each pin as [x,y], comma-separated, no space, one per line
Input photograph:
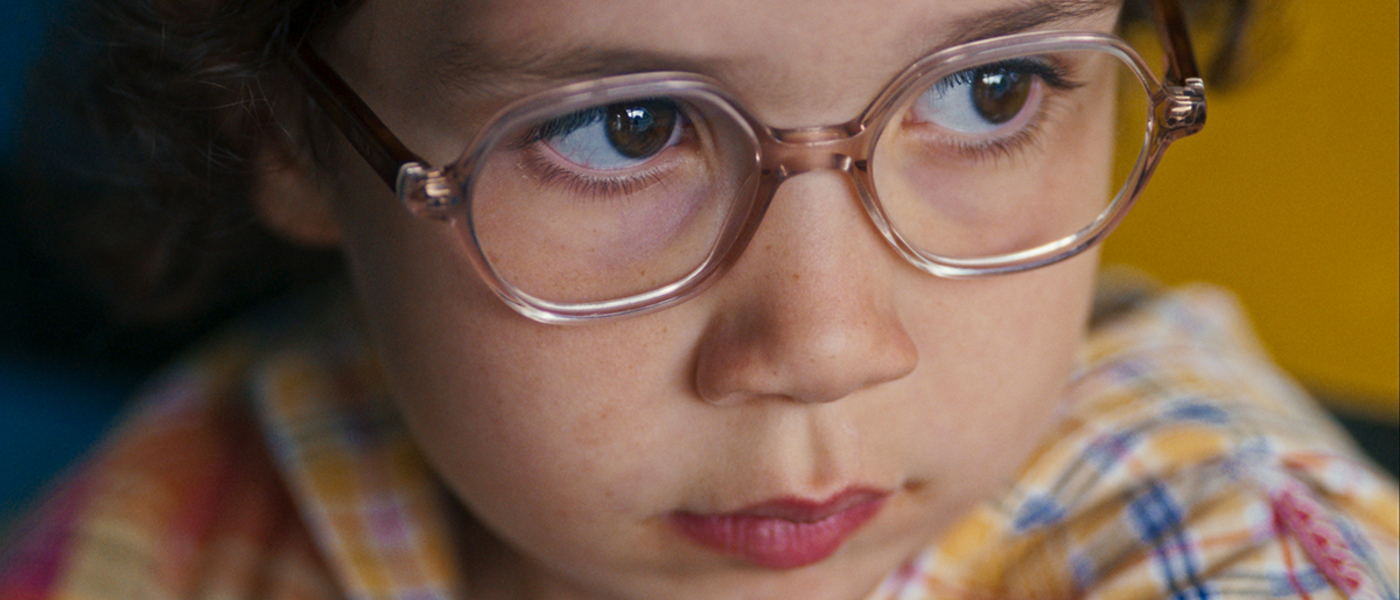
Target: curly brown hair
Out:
[136,150]
[143,124]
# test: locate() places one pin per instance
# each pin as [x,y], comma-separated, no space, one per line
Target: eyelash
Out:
[1006,147]
[1055,77]
[583,185]
[561,125]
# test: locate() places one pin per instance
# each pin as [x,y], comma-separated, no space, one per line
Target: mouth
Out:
[784,533]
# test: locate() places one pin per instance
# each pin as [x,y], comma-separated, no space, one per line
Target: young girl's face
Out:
[815,418]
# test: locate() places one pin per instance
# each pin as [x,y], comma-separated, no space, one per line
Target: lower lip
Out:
[777,543]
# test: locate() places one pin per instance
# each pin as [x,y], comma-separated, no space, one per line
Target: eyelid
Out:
[565,124]
[1051,75]
[1023,138]
[603,186]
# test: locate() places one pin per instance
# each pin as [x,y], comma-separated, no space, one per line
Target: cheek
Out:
[995,356]
[529,461]
[500,427]
[548,450]
[530,425]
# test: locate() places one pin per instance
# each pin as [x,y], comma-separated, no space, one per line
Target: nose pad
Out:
[807,312]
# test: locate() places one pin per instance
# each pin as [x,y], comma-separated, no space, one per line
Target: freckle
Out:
[796,276]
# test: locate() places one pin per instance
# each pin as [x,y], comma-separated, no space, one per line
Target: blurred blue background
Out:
[23,24]
[54,402]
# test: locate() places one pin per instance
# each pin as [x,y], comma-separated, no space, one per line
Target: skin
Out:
[822,360]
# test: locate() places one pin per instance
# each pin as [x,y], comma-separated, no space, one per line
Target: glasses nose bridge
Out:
[790,152]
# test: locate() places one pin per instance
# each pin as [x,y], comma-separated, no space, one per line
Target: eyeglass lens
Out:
[613,200]
[591,202]
[1009,156]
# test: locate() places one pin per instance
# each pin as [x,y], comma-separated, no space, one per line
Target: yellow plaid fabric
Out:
[362,484]
[1187,467]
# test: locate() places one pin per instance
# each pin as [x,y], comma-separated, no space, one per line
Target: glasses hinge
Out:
[427,192]
[1183,112]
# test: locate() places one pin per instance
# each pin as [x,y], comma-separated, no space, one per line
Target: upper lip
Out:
[806,510]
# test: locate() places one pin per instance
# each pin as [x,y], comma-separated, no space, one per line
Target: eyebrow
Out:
[473,67]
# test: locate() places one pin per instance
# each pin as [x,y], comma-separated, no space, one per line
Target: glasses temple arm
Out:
[384,152]
[1171,27]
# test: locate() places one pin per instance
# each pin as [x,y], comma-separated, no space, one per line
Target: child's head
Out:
[823,371]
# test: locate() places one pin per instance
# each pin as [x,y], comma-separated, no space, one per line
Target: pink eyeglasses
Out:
[630,193]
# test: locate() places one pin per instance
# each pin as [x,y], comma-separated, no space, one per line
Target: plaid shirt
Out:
[272,466]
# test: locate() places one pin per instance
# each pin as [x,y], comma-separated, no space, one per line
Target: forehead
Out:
[718,31]
[777,52]
[723,31]
[713,31]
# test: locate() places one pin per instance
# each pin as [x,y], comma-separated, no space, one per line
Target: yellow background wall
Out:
[1289,197]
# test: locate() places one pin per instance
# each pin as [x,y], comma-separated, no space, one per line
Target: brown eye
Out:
[641,129]
[990,98]
[999,94]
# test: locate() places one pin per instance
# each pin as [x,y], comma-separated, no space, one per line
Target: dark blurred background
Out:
[66,371]
[1301,222]
[58,387]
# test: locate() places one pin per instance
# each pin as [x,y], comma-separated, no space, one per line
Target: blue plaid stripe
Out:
[1287,585]
[1036,512]
[1106,452]
[1199,410]
[1158,520]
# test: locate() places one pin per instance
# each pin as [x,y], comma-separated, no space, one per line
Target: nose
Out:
[807,313]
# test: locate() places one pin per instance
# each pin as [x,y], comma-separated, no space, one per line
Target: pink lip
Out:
[785,533]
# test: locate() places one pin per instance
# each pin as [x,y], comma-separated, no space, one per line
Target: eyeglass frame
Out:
[1178,109]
